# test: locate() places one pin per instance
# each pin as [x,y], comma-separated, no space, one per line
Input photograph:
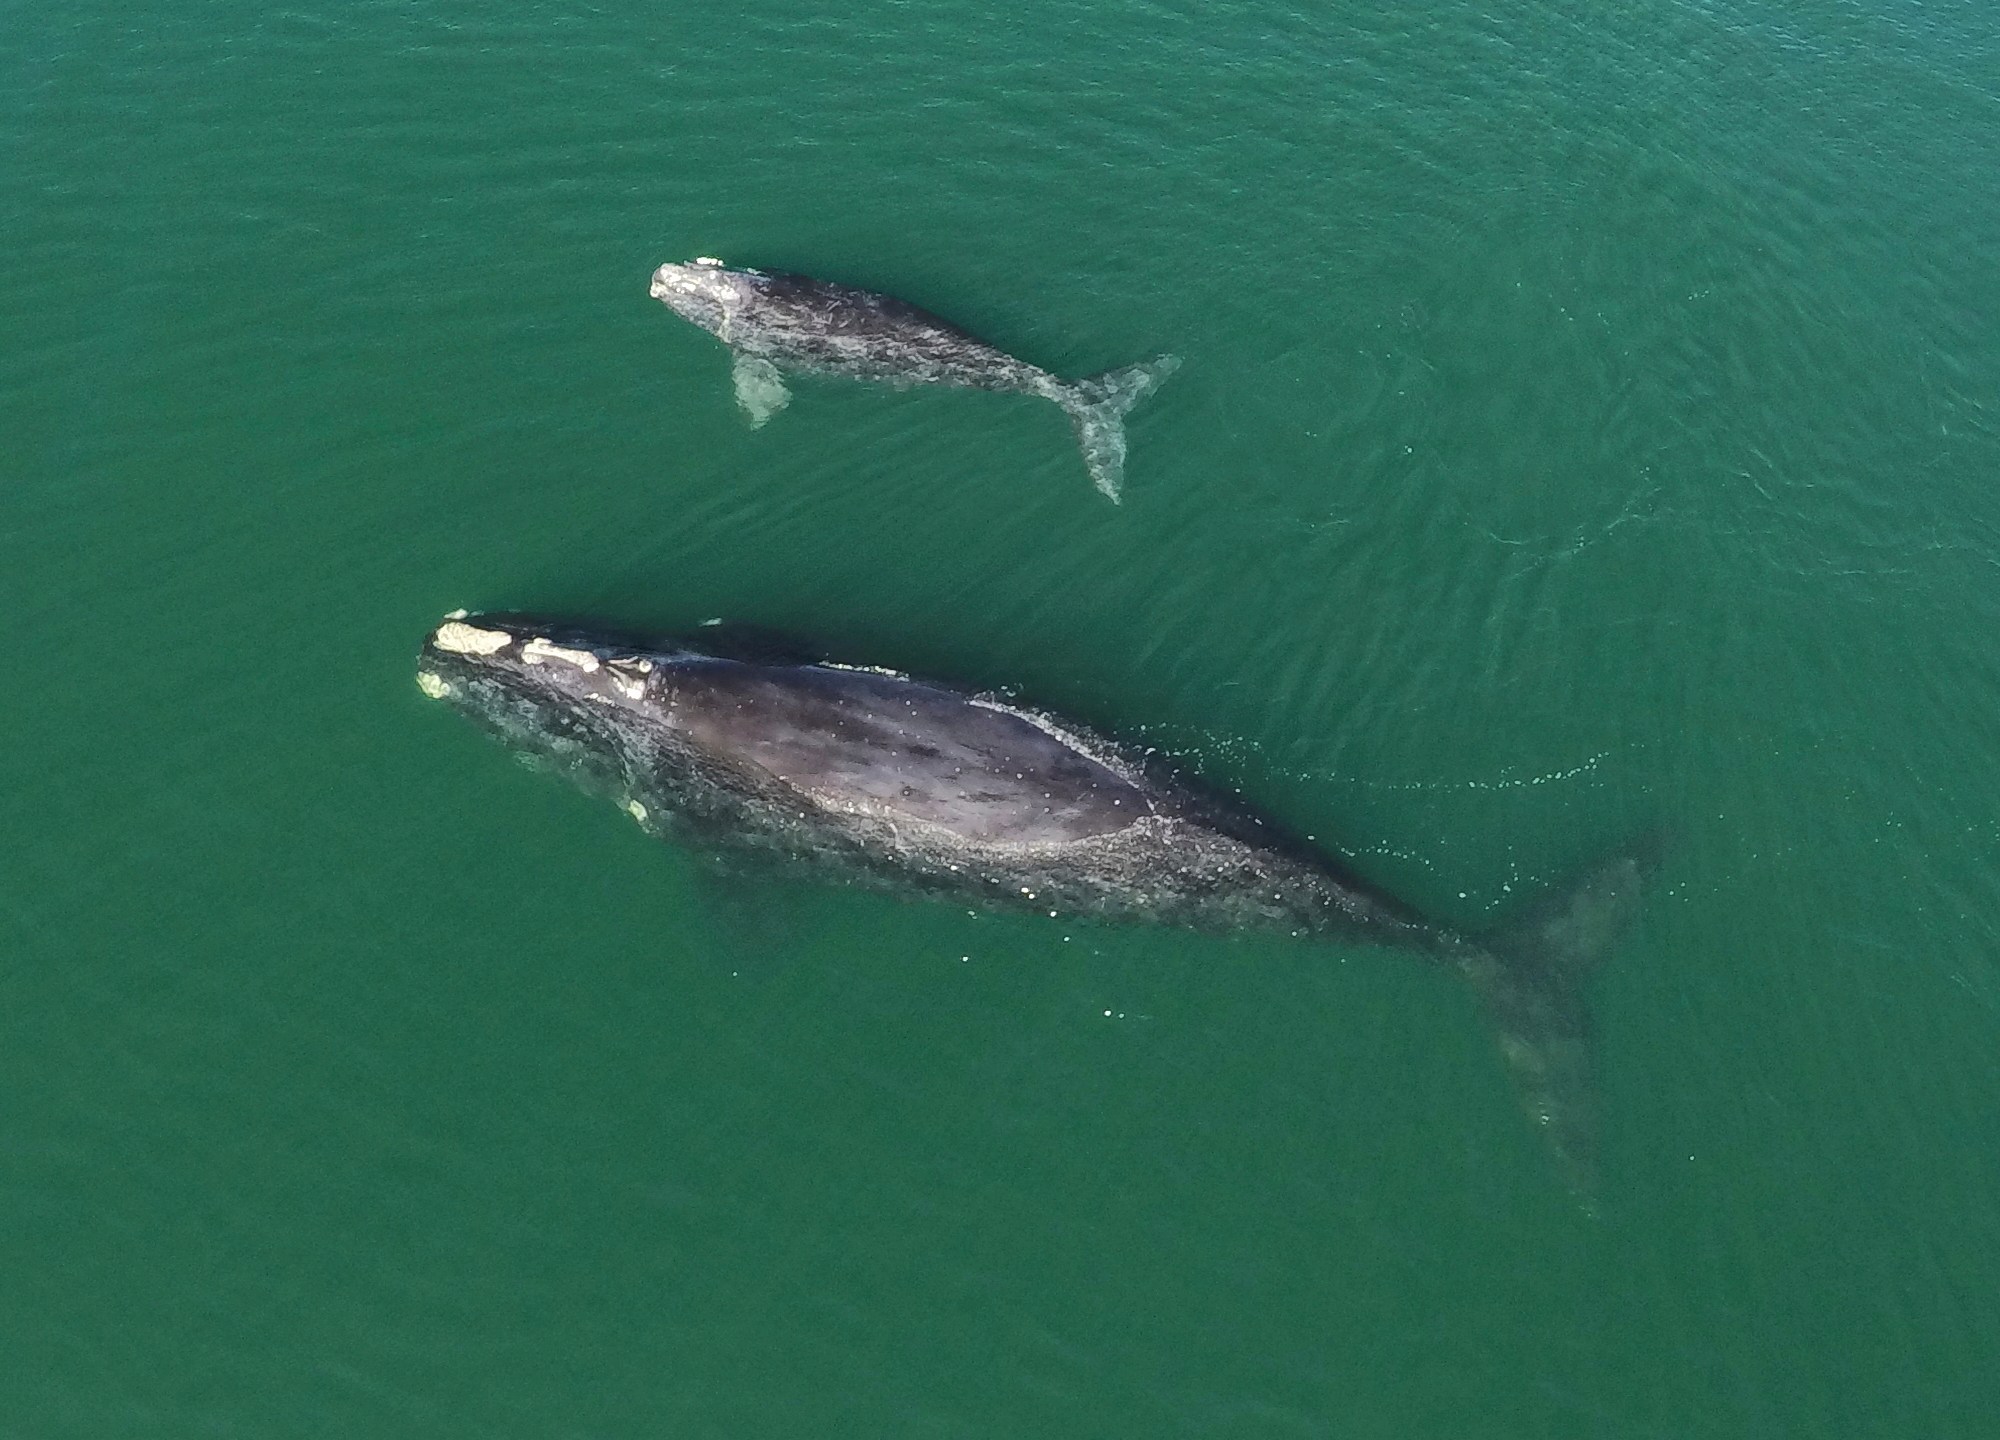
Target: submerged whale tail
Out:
[1098,404]
[1532,975]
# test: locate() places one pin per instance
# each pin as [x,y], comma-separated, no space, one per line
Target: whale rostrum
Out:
[872,777]
[774,323]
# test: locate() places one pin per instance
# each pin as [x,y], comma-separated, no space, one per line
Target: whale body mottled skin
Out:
[874,777]
[774,323]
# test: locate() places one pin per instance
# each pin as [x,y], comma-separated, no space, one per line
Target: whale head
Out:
[584,701]
[704,290]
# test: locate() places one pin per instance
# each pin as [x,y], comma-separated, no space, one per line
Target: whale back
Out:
[845,310]
[866,743]
[802,323]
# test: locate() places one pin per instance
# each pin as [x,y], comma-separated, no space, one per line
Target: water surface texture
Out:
[1590,421]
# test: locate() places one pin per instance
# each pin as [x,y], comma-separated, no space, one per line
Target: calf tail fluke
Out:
[1532,975]
[1098,404]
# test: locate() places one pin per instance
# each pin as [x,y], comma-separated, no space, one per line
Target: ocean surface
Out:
[1589,423]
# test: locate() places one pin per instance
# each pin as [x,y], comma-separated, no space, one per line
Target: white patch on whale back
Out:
[760,390]
[463,639]
[725,320]
[635,810]
[862,669]
[1087,746]
[432,684]
[540,649]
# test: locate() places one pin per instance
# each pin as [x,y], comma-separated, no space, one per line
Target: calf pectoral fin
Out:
[760,389]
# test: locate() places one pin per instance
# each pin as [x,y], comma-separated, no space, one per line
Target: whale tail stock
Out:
[1097,406]
[1532,974]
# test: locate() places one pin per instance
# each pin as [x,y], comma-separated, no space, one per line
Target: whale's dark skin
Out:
[877,778]
[774,323]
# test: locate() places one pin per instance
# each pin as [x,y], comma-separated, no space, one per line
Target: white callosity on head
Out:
[462,639]
[629,676]
[432,684]
[540,648]
[688,278]
[636,811]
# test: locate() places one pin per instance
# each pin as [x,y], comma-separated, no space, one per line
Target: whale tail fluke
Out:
[1098,404]
[1532,974]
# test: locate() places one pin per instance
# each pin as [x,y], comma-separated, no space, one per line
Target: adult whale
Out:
[775,323]
[874,777]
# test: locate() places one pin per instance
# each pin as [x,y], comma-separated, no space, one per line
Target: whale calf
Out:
[774,323]
[873,777]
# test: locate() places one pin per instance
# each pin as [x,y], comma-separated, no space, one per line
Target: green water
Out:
[1590,420]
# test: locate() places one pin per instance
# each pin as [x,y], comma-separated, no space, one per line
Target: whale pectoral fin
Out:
[747,915]
[760,389]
